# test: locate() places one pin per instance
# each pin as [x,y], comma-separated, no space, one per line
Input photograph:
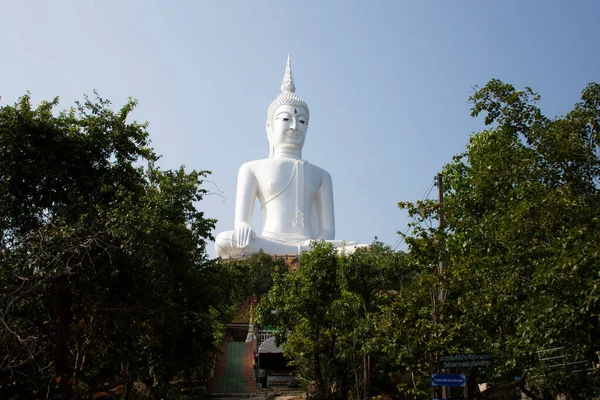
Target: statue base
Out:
[226,248]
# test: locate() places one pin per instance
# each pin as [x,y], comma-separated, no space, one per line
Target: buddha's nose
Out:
[293,125]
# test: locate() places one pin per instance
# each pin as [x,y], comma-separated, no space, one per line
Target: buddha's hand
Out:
[243,235]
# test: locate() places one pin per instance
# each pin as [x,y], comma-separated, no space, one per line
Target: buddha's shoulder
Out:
[318,170]
[255,166]
[252,165]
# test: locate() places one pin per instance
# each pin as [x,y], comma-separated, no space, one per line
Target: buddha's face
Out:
[289,127]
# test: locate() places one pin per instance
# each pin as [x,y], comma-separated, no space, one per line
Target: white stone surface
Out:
[289,189]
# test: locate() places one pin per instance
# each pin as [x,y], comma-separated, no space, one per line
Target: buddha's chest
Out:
[288,182]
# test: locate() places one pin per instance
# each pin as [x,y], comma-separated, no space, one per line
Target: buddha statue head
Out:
[287,116]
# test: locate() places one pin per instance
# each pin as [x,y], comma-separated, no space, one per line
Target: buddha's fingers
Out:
[246,240]
[239,238]
[244,236]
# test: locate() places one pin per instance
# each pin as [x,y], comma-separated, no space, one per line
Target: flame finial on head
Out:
[288,94]
[288,80]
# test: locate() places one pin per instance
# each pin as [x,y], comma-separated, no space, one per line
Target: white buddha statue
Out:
[288,188]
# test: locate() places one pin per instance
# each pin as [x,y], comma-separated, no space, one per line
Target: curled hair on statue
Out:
[286,98]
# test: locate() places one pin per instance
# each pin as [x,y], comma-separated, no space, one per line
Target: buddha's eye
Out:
[302,121]
[286,119]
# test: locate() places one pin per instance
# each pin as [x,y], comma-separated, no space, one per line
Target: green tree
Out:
[104,275]
[367,277]
[407,327]
[300,305]
[252,275]
[326,311]
[521,239]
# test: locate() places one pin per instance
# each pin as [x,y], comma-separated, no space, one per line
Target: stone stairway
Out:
[248,367]
[219,370]
[233,371]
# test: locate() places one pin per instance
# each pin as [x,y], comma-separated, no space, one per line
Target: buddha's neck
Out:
[288,153]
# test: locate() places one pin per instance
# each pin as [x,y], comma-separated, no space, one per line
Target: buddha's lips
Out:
[294,135]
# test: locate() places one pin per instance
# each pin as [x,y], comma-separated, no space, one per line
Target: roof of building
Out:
[268,346]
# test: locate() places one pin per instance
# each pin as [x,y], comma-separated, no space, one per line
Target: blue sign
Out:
[451,380]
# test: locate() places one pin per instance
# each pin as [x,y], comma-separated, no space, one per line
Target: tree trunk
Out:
[368,380]
[365,379]
[319,379]
[355,369]
[61,352]
[472,384]
[357,383]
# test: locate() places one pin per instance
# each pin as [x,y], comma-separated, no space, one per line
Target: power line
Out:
[425,195]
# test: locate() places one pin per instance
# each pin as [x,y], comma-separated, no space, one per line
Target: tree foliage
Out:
[252,275]
[325,312]
[522,241]
[104,275]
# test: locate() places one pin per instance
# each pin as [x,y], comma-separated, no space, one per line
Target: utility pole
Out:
[442,264]
[441,295]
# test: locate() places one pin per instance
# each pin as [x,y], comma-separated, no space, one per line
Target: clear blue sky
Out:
[387,82]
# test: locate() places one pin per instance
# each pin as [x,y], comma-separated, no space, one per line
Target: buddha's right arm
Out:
[325,213]
[245,197]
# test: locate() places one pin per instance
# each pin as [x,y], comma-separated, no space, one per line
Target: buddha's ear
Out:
[268,129]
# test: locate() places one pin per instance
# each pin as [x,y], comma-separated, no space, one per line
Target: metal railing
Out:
[264,334]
